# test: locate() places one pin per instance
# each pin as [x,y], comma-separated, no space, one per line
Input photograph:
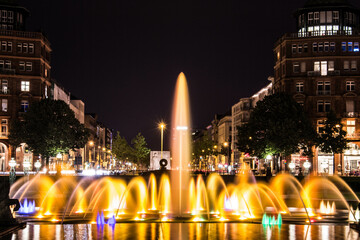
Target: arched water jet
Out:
[152,191]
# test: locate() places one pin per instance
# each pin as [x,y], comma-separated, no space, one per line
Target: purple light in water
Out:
[111,220]
[100,220]
[28,207]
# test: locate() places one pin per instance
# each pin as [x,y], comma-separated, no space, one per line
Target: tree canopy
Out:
[277,125]
[121,148]
[140,150]
[48,127]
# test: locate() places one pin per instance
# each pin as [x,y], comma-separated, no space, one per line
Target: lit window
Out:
[4,86]
[4,127]
[320,125]
[315,47]
[350,86]
[356,46]
[300,87]
[329,16]
[354,65]
[31,48]
[322,17]
[350,46]
[28,66]
[303,67]
[24,105]
[343,46]
[25,86]
[317,66]
[331,66]
[324,68]
[4,105]
[311,18]
[296,67]
[332,47]
[346,65]
[22,66]
[350,127]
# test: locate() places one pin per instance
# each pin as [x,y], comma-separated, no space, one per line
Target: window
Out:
[311,18]
[19,47]
[356,46]
[24,105]
[28,66]
[316,66]
[329,16]
[350,86]
[4,105]
[303,67]
[332,47]
[4,86]
[331,66]
[305,48]
[300,87]
[4,127]
[25,86]
[300,48]
[11,16]
[343,46]
[22,66]
[321,47]
[335,16]
[315,47]
[3,46]
[324,68]
[354,65]
[25,47]
[346,65]
[9,46]
[323,88]
[320,106]
[31,48]
[350,107]
[296,67]
[350,128]
[3,15]
[326,46]
[316,17]
[293,47]
[320,126]
[322,17]
[350,46]
[7,64]
[1,64]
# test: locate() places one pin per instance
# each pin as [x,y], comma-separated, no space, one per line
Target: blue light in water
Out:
[28,207]
[100,220]
[112,220]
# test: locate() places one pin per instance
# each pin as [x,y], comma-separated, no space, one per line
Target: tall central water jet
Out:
[180,147]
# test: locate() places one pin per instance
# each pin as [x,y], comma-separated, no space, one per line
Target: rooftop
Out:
[324,3]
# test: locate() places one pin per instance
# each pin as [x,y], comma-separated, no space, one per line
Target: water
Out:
[191,231]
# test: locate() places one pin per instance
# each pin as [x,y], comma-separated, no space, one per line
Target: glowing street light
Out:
[162,126]
[26,166]
[12,174]
[37,165]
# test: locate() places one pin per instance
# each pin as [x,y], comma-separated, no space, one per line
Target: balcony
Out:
[313,73]
[323,92]
[353,135]
[7,71]
[351,114]
[21,34]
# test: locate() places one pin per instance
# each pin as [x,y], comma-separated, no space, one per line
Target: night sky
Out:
[122,58]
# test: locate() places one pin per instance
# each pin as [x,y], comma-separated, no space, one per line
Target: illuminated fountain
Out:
[179,196]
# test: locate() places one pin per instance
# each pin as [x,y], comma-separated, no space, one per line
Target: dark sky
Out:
[122,58]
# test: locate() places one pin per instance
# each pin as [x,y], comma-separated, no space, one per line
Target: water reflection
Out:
[191,231]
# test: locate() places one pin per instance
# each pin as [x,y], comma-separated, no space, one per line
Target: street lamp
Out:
[12,174]
[26,166]
[37,165]
[307,166]
[292,166]
[162,126]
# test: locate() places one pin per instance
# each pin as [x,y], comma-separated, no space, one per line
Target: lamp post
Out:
[292,167]
[307,166]
[162,127]
[37,166]
[12,174]
[26,166]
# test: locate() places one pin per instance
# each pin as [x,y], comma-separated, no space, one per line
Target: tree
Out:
[121,149]
[332,137]
[49,127]
[203,148]
[277,126]
[140,150]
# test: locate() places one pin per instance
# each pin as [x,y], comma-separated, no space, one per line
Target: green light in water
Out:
[268,220]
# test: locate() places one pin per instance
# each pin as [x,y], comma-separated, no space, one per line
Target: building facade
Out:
[24,75]
[319,66]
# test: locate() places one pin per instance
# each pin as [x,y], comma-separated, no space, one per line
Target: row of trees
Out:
[278,126]
[137,152]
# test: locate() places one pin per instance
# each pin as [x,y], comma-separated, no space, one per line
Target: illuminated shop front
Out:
[352,158]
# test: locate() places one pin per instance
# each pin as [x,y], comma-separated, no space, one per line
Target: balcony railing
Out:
[316,34]
[21,34]
[351,114]
[323,92]
[353,135]
[334,73]
[7,71]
